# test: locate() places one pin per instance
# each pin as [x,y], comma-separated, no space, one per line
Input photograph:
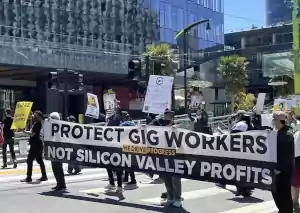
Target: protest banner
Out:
[92,108]
[22,111]
[248,158]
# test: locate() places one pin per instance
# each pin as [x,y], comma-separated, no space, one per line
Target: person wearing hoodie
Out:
[126,121]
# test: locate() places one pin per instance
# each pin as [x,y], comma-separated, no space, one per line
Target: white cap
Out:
[54,115]
[240,126]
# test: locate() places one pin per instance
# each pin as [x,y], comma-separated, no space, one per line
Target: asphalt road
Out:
[86,194]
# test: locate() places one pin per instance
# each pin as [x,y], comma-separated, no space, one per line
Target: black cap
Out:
[125,114]
[167,111]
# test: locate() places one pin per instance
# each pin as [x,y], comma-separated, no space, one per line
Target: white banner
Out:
[92,108]
[247,157]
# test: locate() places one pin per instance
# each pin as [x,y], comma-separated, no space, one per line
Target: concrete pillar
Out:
[273,38]
[243,43]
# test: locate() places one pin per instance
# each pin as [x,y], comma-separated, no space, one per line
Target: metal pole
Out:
[65,95]
[296,47]
[184,70]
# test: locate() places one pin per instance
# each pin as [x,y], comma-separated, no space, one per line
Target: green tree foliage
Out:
[161,59]
[244,101]
[232,69]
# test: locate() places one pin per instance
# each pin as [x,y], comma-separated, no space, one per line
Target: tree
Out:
[232,69]
[244,101]
[161,59]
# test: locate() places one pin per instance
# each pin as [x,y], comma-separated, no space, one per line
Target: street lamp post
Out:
[184,33]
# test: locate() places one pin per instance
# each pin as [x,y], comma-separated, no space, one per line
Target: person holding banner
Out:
[8,135]
[172,184]
[36,148]
[200,121]
[73,167]
[285,164]
[126,121]
[57,167]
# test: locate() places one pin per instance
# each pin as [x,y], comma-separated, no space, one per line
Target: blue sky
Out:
[241,14]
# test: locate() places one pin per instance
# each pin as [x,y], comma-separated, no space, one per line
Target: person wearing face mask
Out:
[172,184]
[36,148]
[285,164]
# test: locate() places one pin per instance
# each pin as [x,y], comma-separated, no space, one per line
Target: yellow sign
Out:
[148,150]
[281,105]
[22,111]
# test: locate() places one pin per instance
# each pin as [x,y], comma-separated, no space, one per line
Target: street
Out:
[86,194]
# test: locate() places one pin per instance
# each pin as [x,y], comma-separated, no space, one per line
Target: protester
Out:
[242,123]
[8,135]
[296,173]
[126,121]
[285,164]
[36,148]
[57,167]
[115,120]
[200,121]
[73,169]
[173,184]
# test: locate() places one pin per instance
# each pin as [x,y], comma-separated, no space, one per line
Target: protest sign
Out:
[109,102]
[92,108]
[22,111]
[248,158]
[158,96]
[260,103]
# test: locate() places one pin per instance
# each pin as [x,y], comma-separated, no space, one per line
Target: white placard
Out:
[260,102]
[296,101]
[92,108]
[158,96]
[23,147]
[109,103]
[196,100]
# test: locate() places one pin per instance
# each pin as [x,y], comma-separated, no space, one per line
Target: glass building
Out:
[174,15]
[278,11]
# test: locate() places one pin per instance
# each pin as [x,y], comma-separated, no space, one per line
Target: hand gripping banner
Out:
[247,158]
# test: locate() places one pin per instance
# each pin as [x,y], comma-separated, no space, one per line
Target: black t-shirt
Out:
[7,132]
[36,129]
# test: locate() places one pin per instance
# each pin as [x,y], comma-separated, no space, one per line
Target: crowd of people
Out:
[285,193]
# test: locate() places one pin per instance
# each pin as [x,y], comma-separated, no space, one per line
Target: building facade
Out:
[175,15]
[278,11]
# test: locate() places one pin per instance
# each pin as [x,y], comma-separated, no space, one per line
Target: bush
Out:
[244,101]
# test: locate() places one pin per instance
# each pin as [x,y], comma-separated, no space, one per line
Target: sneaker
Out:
[177,204]
[110,187]
[119,190]
[4,167]
[167,202]
[43,179]
[15,164]
[26,180]
[60,188]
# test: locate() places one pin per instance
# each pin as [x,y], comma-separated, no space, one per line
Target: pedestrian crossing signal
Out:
[53,82]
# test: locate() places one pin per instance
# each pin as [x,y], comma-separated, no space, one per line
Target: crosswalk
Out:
[195,193]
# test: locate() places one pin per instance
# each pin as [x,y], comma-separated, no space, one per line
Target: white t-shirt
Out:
[240,126]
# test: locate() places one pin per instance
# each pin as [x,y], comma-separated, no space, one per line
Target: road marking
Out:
[264,207]
[191,195]
[17,177]
[20,171]
[142,185]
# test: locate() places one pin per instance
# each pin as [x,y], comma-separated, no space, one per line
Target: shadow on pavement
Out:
[115,202]
[246,200]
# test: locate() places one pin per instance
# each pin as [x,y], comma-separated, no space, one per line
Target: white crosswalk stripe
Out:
[146,194]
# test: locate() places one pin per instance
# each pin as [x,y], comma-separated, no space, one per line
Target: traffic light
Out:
[134,69]
[53,82]
[78,81]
